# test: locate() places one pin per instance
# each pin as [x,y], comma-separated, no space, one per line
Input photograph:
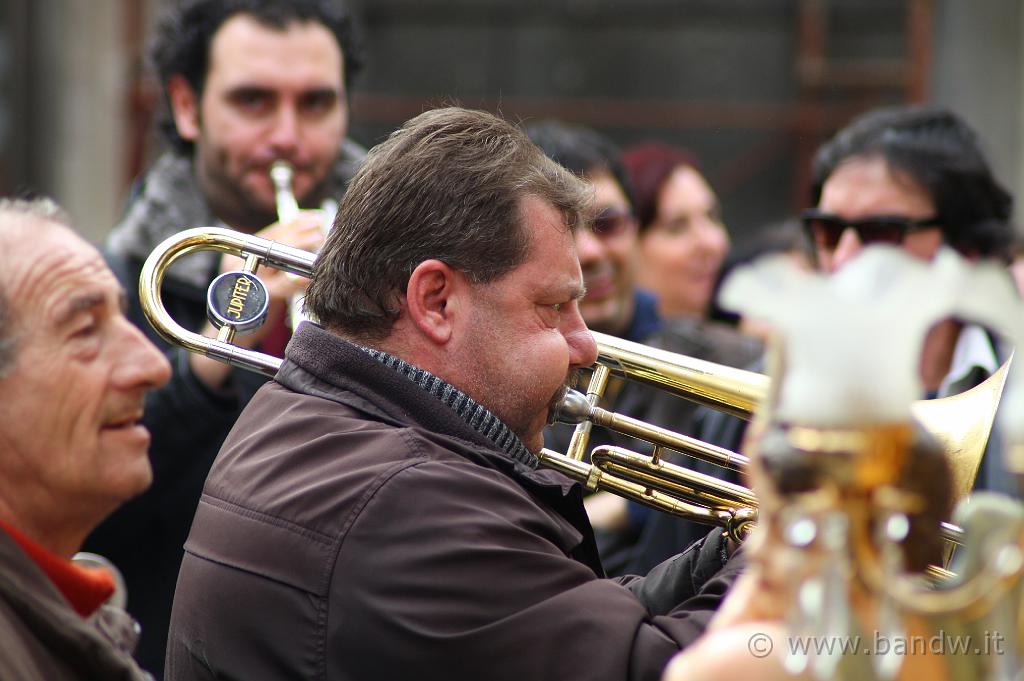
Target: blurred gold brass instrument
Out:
[237,302]
[846,481]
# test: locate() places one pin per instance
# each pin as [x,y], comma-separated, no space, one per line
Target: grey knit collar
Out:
[169,201]
[478,417]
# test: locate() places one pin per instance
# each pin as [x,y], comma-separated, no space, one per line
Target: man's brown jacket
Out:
[366,520]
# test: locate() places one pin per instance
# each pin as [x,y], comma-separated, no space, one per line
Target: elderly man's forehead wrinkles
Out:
[77,303]
[44,280]
[97,298]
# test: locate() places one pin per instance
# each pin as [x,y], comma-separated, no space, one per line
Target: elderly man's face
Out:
[269,94]
[73,397]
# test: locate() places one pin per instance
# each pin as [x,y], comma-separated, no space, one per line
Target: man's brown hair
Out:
[448,186]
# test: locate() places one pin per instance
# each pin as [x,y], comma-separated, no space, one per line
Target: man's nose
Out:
[140,363]
[284,136]
[847,249]
[582,346]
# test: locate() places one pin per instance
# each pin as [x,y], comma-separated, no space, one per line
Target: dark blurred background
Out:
[751,87]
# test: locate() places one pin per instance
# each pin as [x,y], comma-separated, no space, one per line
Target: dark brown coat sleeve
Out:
[467,574]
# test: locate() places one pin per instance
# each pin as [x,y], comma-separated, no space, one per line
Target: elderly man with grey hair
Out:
[73,374]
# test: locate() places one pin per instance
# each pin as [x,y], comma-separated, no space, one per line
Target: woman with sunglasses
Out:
[914,177]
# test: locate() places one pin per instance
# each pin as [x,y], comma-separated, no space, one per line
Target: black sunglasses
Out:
[825,229]
[612,222]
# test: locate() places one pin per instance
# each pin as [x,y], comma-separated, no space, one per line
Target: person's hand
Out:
[607,511]
[753,598]
[304,231]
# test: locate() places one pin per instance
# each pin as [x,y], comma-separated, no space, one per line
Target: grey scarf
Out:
[477,416]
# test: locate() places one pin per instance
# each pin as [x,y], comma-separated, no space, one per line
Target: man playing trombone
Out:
[377,512]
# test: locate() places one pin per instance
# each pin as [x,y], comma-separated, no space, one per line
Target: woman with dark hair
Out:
[682,239]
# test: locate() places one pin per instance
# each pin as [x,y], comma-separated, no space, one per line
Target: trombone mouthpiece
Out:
[573,408]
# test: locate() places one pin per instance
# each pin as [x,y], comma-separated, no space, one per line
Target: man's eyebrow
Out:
[321,92]
[84,301]
[579,292]
[250,90]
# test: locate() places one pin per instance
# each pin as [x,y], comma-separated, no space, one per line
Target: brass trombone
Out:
[646,479]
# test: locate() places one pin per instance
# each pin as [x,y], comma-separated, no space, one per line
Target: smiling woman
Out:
[682,239]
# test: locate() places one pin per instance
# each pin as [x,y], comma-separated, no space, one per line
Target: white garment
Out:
[973,349]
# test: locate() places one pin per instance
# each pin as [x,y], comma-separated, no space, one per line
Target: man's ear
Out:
[184,107]
[430,298]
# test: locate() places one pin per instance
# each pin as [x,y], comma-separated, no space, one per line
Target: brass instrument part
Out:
[281,175]
[581,436]
[254,250]
[954,422]
[575,409]
[720,387]
[735,520]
